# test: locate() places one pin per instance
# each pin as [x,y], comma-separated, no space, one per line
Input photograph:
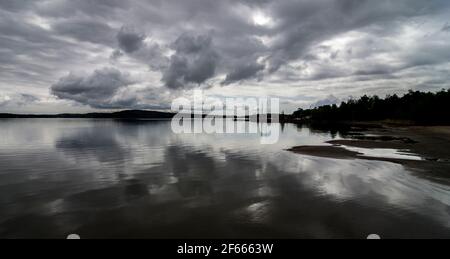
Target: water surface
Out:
[107,179]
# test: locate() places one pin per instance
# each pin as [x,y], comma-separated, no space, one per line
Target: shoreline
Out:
[431,143]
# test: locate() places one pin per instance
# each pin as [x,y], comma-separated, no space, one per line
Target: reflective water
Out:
[106,178]
[385,153]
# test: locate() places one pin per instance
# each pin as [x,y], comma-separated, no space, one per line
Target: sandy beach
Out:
[429,143]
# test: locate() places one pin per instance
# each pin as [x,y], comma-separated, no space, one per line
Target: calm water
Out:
[105,178]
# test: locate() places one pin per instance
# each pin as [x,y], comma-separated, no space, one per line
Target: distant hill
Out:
[129,114]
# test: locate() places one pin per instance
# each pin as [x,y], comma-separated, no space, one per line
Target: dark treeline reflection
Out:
[419,107]
[137,179]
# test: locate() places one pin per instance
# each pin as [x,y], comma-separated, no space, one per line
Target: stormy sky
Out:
[84,55]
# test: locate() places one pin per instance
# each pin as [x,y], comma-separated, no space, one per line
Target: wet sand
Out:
[432,144]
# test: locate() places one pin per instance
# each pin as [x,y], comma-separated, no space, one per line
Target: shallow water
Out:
[106,178]
[385,153]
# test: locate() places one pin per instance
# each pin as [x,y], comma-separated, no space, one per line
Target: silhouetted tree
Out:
[419,107]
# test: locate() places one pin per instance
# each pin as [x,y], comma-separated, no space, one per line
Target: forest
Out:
[415,107]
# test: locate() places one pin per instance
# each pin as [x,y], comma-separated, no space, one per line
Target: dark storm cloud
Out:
[84,30]
[243,71]
[303,23]
[130,40]
[194,61]
[30,54]
[197,43]
[96,90]
[108,88]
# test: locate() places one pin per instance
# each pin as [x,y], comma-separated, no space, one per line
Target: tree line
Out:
[415,106]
